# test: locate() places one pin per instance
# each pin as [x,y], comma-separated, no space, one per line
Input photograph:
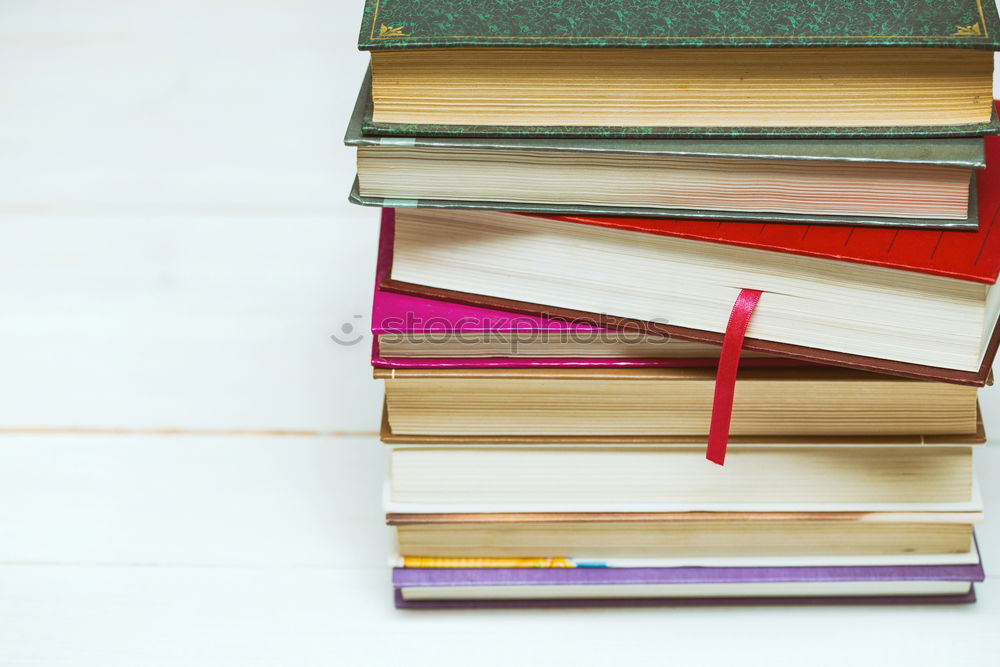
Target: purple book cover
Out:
[399,314]
[416,577]
[583,576]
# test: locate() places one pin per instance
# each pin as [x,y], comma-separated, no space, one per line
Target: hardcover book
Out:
[689,532]
[814,401]
[439,588]
[387,436]
[634,68]
[431,24]
[491,476]
[879,182]
[917,303]
[402,603]
[415,332]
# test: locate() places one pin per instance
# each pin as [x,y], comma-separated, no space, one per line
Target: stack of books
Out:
[621,237]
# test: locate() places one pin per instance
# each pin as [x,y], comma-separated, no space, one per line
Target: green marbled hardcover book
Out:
[896,68]
[419,24]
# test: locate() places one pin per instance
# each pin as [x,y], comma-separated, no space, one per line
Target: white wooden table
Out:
[188,471]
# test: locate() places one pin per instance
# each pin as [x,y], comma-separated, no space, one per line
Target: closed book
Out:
[878,182]
[771,401]
[970,557]
[629,68]
[389,437]
[866,600]
[914,583]
[917,303]
[416,332]
[539,476]
[692,532]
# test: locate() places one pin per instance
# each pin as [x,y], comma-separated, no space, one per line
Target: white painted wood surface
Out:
[175,251]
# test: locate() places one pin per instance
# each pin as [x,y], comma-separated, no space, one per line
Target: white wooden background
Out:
[188,473]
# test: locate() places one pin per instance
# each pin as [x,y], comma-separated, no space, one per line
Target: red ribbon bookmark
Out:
[725,379]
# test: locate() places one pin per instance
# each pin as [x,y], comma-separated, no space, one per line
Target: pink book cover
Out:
[394,313]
